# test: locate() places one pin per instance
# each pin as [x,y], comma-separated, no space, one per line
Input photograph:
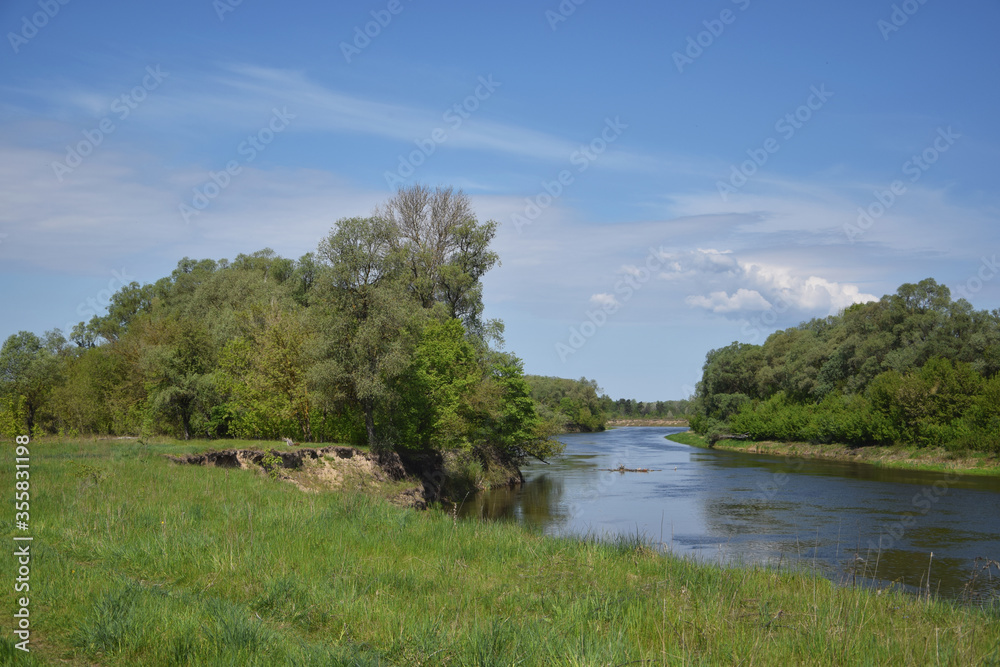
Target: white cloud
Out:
[113,208]
[242,95]
[752,286]
[603,300]
[720,302]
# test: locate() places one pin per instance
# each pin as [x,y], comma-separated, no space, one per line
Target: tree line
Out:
[581,405]
[377,337]
[915,367]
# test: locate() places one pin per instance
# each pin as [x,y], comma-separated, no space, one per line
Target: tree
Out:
[444,249]
[367,316]
[514,424]
[441,388]
[265,373]
[179,372]
[125,305]
[29,370]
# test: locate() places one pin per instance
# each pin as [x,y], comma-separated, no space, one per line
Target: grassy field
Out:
[140,561]
[910,458]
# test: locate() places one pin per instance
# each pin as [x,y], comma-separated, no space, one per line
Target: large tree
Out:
[444,249]
[29,370]
[366,316]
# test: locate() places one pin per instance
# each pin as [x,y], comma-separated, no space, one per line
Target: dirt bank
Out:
[406,479]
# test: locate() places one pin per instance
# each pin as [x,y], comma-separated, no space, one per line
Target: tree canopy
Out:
[376,337]
[913,367]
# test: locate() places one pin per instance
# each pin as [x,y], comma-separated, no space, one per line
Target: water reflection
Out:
[854,521]
[535,504]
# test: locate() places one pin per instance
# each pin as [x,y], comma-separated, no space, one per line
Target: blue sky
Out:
[667,177]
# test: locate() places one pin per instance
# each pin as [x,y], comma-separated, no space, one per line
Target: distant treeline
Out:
[579,405]
[914,368]
[376,337]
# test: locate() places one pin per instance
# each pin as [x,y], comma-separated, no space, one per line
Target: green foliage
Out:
[189,565]
[30,369]
[568,404]
[375,338]
[914,367]
[629,408]
[264,374]
[271,463]
[441,389]
[91,473]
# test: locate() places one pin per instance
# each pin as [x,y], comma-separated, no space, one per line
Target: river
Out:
[855,523]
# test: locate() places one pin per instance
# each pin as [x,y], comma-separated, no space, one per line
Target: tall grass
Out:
[141,561]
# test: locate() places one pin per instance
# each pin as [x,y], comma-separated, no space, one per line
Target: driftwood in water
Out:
[622,468]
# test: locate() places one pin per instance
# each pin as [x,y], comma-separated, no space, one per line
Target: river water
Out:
[855,523]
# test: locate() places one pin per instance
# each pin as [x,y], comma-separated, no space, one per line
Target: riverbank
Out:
[138,560]
[613,423]
[406,479]
[909,458]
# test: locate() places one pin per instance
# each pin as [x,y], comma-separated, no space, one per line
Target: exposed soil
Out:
[410,480]
[314,469]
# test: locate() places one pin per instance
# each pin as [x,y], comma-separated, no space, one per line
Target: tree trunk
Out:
[186,421]
[30,417]
[369,408]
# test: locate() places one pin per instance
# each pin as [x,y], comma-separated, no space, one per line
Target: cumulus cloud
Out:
[727,285]
[720,302]
[604,300]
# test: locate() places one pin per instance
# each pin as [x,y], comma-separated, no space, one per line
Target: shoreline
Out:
[613,423]
[903,458]
[196,558]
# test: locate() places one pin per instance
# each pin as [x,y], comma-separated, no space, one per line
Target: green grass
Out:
[896,456]
[153,563]
[688,438]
